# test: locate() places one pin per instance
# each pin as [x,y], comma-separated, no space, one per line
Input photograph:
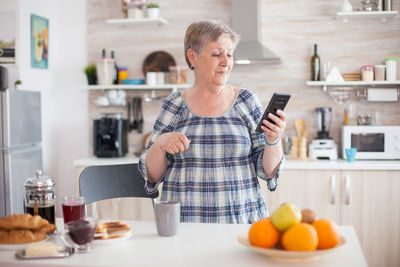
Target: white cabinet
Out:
[368,200]
[374,210]
[317,190]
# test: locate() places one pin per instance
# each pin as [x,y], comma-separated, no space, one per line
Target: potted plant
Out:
[18,84]
[153,10]
[91,74]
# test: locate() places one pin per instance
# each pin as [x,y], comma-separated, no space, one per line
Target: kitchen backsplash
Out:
[289,28]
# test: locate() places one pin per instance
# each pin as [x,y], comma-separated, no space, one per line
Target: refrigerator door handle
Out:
[24,148]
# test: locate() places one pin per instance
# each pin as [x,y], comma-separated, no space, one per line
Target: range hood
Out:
[244,21]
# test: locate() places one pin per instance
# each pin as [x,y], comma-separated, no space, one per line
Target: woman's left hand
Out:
[274,131]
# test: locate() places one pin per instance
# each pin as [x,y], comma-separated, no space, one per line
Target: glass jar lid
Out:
[39,182]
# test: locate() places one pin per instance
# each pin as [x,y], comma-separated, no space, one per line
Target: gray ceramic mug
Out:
[167,217]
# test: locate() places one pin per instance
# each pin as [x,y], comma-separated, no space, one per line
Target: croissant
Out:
[48,229]
[20,236]
[22,221]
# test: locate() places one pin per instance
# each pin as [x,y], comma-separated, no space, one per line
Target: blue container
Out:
[132,81]
[351,154]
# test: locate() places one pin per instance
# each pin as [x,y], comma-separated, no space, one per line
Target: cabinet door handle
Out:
[333,188]
[348,188]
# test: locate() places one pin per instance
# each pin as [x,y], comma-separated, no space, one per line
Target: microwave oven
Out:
[372,142]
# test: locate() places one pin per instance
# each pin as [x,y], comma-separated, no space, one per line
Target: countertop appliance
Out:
[323,147]
[372,142]
[110,136]
[21,146]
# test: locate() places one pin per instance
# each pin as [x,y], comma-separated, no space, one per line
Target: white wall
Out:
[64,104]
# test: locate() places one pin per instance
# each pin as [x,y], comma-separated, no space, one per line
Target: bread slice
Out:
[112,230]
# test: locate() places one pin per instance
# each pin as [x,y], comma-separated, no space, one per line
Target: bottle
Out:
[103,53]
[315,65]
[115,79]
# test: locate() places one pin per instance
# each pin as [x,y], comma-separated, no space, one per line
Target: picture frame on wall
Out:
[39,42]
[8,36]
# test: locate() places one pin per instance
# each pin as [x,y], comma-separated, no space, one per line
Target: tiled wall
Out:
[289,28]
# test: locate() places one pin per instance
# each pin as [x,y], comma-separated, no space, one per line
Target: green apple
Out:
[286,216]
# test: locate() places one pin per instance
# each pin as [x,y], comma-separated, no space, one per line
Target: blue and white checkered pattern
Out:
[215,180]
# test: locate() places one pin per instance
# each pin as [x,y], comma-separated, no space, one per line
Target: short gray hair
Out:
[199,33]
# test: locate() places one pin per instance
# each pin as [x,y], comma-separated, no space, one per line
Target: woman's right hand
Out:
[173,142]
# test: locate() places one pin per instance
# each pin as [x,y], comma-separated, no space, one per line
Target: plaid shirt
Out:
[215,179]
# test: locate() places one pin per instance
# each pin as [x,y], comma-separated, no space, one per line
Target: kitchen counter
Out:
[197,244]
[93,161]
[365,165]
[340,164]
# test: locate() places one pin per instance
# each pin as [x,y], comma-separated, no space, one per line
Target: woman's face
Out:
[215,61]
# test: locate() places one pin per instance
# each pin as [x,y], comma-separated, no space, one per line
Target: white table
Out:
[195,245]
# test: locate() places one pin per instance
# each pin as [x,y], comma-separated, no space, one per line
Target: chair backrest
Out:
[112,181]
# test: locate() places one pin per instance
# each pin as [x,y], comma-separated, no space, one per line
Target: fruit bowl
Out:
[288,256]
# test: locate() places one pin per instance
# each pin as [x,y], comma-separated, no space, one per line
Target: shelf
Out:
[383,15]
[126,22]
[325,84]
[144,87]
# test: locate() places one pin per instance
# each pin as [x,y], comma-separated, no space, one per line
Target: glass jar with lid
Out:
[40,197]
[367,73]
[177,75]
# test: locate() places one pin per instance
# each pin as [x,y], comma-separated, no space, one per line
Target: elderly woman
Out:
[204,147]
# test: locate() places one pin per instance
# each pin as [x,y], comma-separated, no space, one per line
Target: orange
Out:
[300,237]
[263,234]
[328,234]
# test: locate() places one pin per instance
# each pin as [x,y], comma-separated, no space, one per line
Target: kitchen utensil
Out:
[73,208]
[346,6]
[364,119]
[369,5]
[151,78]
[110,136]
[299,125]
[153,97]
[286,145]
[323,147]
[61,253]
[137,114]
[40,198]
[167,217]
[351,154]
[158,61]
[285,255]
[133,81]
[324,115]
[79,234]
[295,148]
[105,71]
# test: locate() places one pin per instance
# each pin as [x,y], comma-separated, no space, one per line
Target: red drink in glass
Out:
[73,208]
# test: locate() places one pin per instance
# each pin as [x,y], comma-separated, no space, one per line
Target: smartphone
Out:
[278,101]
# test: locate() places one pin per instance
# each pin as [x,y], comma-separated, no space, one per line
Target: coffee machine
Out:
[323,147]
[110,136]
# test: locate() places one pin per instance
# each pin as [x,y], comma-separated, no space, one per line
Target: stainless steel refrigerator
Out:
[21,146]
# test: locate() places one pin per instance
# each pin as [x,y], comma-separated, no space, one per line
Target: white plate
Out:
[288,256]
[112,240]
[19,246]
